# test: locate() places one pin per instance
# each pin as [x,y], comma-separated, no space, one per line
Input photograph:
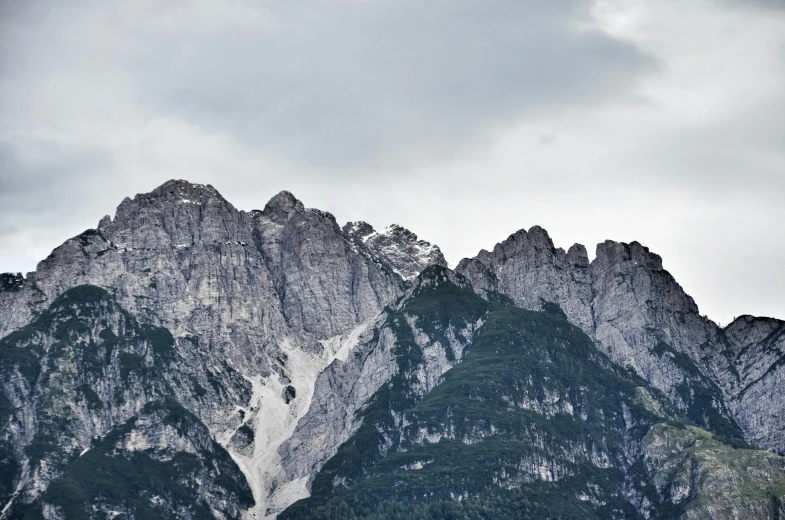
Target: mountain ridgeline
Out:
[189,360]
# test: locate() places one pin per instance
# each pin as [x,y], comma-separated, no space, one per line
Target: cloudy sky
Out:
[464,120]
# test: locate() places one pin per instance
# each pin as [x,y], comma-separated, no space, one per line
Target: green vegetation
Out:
[145,484]
[705,405]
[23,359]
[173,413]
[514,430]
[10,282]
[162,343]
[533,423]
[63,320]
[436,305]
[91,398]
[130,363]
[90,338]
[715,475]
[8,463]
[81,296]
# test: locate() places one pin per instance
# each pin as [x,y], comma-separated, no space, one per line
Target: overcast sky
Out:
[463,120]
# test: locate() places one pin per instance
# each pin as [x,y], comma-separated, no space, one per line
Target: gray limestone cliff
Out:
[396,247]
[344,389]
[247,298]
[529,269]
[184,258]
[460,407]
[755,385]
[184,336]
[92,412]
[639,316]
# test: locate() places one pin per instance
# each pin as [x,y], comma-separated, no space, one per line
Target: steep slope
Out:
[161,463]
[325,286]
[529,269]
[189,360]
[645,320]
[439,333]
[532,421]
[396,247]
[253,304]
[91,416]
[639,316]
[186,257]
[242,284]
[699,477]
[756,386]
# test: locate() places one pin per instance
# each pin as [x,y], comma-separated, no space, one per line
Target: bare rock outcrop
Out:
[396,247]
[639,316]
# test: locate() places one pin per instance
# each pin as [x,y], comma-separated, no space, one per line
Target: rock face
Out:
[396,247]
[92,419]
[755,348]
[325,286]
[702,478]
[248,299]
[645,320]
[529,269]
[189,360]
[530,420]
[346,387]
[185,256]
[639,316]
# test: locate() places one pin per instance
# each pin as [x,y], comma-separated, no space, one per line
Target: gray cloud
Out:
[766,4]
[370,83]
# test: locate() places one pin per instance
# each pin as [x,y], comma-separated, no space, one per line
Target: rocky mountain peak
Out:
[522,242]
[278,351]
[632,272]
[179,189]
[358,230]
[528,268]
[168,245]
[396,247]
[172,192]
[614,253]
[399,231]
[748,329]
[578,256]
[631,307]
[281,206]
[177,213]
[540,236]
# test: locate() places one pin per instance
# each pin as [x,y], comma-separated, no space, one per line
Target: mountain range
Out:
[188,360]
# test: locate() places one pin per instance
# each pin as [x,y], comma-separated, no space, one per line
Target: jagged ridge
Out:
[640,317]
[533,421]
[397,247]
[279,322]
